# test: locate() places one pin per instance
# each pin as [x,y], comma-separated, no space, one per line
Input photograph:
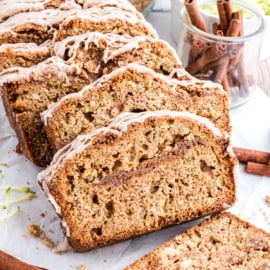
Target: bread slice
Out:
[132,88]
[107,19]
[36,26]
[223,241]
[99,53]
[27,91]
[22,54]
[145,171]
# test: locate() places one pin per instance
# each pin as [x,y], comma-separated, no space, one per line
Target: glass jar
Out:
[229,60]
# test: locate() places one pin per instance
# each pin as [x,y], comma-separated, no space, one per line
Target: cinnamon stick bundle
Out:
[224,66]
[8,262]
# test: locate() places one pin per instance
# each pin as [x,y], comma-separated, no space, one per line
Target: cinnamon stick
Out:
[221,70]
[220,33]
[258,168]
[233,80]
[215,52]
[8,262]
[226,85]
[215,28]
[228,9]
[195,16]
[248,155]
[238,15]
[234,28]
[225,12]
[235,53]
[222,15]
[214,64]
[197,47]
[244,87]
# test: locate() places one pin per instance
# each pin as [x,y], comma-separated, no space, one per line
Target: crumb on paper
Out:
[82,267]
[35,231]
[3,164]
[18,149]
[267,200]
[266,216]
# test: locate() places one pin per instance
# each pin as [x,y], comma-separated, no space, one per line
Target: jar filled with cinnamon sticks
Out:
[220,40]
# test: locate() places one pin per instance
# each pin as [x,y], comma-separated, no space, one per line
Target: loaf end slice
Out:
[223,241]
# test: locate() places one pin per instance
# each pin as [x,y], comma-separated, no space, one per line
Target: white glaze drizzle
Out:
[72,43]
[135,68]
[52,65]
[183,73]
[107,14]
[47,19]
[26,47]
[117,126]
[115,44]
[123,4]
[104,13]
[10,8]
[135,44]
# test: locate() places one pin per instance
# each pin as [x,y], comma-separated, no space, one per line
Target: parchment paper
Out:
[251,129]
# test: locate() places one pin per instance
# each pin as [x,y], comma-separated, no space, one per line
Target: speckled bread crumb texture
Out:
[224,241]
[139,177]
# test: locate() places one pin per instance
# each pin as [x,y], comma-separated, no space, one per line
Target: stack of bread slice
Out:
[130,141]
